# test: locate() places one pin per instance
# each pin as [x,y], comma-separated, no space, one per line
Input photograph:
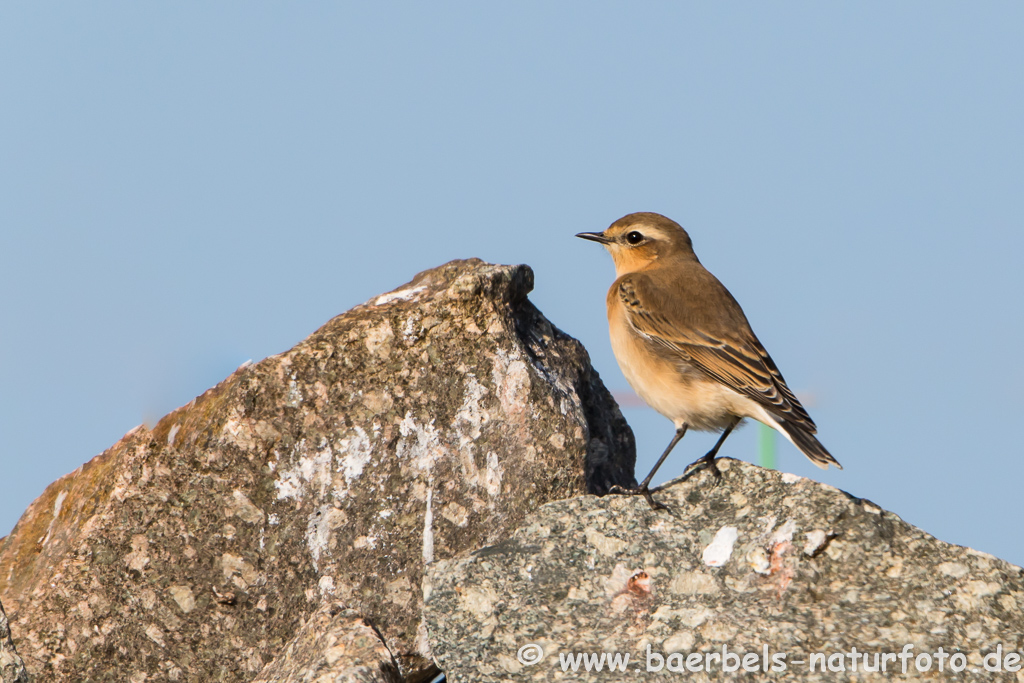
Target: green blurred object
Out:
[766,442]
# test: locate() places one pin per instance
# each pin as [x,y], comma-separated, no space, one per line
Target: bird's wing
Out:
[737,360]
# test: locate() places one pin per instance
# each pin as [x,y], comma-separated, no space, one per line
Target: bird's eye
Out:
[634,237]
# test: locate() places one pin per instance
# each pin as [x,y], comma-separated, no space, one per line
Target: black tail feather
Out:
[810,446]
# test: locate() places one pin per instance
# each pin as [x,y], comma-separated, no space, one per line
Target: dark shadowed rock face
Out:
[429,421]
[761,560]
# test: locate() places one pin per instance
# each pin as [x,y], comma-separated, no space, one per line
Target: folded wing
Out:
[737,360]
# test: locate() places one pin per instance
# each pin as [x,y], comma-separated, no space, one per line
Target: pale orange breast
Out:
[681,394]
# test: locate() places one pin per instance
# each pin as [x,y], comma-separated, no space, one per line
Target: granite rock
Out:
[12,668]
[760,562]
[428,421]
[336,645]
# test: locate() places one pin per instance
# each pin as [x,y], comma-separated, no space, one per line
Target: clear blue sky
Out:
[185,186]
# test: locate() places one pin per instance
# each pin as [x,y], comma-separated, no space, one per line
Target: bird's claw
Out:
[708,464]
[645,492]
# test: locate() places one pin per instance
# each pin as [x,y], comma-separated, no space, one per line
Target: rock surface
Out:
[761,560]
[12,668]
[429,421]
[336,645]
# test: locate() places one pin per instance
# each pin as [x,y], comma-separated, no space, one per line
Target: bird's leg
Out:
[643,489]
[708,459]
[672,444]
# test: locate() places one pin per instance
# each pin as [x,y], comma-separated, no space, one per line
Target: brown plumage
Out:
[684,343]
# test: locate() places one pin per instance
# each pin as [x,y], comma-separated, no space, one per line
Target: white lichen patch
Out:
[788,478]
[357,449]
[409,329]
[308,469]
[769,524]
[468,426]
[398,295]
[815,539]
[719,550]
[420,445]
[293,399]
[471,415]
[784,533]
[428,529]
[319,527]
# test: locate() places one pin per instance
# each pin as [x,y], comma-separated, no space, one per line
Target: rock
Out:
[429,421]
[12,668]
[760,562]
[336,645]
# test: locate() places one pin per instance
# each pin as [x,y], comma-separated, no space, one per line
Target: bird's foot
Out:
[638,491]
[708,464]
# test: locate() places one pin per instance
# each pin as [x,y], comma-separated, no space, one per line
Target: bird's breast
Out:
[681,393]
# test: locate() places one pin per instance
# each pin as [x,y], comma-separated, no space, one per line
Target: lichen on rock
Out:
[758,560]
[428,421]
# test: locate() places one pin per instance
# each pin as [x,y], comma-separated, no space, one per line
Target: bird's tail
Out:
[809,445]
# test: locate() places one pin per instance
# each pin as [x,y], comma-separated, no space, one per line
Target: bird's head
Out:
[640,240]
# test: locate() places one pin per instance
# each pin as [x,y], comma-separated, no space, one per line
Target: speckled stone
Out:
[760,560]
[336,645]
[12,668]
[428,421]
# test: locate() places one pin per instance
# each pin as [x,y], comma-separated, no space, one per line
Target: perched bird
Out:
[685,346]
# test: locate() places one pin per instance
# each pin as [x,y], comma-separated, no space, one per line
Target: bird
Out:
[686,347]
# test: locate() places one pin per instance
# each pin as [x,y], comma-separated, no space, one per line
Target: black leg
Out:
[708,460]
[643,489]
[672,444]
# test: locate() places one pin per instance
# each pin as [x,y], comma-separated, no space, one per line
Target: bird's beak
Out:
[594,237]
